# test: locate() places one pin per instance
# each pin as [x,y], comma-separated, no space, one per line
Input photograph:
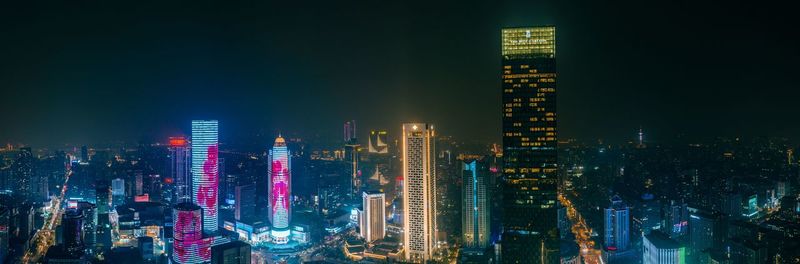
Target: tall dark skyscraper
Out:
[530,230]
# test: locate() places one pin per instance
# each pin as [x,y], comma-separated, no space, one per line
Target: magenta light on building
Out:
[205,168]
[280,180]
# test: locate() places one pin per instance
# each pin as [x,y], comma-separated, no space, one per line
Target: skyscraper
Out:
[205,168]
[475,205]
[419,221]
[117,192]
[179,168]
[188,245]
[617,226]
[352,155]
[72,224]
[374,226]
[280,186]
[529,145]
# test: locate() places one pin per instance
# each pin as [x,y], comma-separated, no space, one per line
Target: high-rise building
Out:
[377,142]
[350,131]
[419,220]
[72,226]
[352,156]
[374,226]
[617,226]
[280,186]
[658,248]
[529,145]
[117,192]
[475,204]
[705,228]
[90,221]
[188,245]
[677,220]
[179,168]
[649,214]
[205,169]
[245,202]
[22,170]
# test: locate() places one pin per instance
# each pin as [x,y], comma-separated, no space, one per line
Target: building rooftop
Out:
[661,240]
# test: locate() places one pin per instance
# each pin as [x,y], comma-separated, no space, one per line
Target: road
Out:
[582,232]
[45,237]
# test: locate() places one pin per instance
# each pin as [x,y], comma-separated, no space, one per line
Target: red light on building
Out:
[142,198]
[177,142]
[168,180]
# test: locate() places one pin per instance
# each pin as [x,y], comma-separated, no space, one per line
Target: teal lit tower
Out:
[530,233]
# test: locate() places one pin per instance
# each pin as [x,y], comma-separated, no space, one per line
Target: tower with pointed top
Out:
[280,187]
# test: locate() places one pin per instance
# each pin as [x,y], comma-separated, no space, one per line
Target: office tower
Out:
[475,205]
[352,156]
[205,167]
[617,225]
[245,202]
[529,145]
[188,245]
[22,169]
[280,185]
[72,226]
[419,221]
[677,220]
[705,229]
[234,252]
[374,226]
[179,168]
[350,131]
[649,213]
[377,142]
[89,212]
[658,248]
[117,192]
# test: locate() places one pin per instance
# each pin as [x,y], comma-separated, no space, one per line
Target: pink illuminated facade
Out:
[280,191]
[205,170]
[189,246]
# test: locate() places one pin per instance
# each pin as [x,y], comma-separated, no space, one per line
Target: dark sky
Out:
[95,71]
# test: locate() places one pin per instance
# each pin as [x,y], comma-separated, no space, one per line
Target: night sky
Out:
[89,72]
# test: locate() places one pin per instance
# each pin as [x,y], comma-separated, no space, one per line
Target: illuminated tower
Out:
[188,245]
[475,217]
[374,226]
[280,186]
[179,166]
[205,170]
[530,230]
[419,221]
[617,226]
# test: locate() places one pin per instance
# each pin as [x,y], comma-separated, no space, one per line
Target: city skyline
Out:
[264,133]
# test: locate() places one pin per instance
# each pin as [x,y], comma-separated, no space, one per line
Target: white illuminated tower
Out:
[419,193]
[280,186]
[374,226]
[205,169]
